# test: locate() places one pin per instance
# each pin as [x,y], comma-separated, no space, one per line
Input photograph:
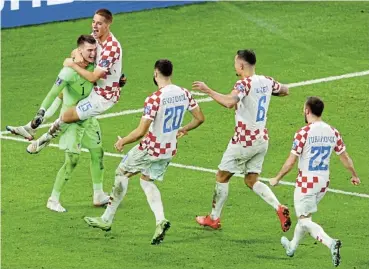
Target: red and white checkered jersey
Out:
[251,112]
[166,108]
[314,144]
[109,59]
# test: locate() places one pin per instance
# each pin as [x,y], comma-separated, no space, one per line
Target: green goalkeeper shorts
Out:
[85,134]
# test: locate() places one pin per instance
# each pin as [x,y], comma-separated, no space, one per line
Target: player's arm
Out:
[88,75]
[226,100]
[198,118]
[283,91]
[135,135]
[349,165]
[286,168]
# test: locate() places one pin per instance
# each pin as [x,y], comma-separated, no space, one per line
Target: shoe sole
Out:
[338,255]
[15,133]
[160,237]
[94,226]
[287,223]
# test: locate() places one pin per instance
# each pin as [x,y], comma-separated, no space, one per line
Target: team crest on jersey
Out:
[240,87]
[104,63]
[147,110]
[58,81]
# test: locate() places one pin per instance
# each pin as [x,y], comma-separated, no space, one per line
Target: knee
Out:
[223,176]
[250,180]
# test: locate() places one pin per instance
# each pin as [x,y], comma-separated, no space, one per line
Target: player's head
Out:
[101,22]
[313,108]
[244,59]
[87,47]
[163,69]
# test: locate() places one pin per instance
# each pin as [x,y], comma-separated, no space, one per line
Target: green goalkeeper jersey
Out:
[74,87]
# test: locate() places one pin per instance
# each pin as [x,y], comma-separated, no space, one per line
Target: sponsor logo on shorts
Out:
[58,81]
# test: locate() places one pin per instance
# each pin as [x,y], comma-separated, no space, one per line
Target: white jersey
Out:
[251,112]
[166,108]
[314,144]
[109,59]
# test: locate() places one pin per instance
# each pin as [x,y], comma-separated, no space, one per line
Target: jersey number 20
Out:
[322,152]
[173,118]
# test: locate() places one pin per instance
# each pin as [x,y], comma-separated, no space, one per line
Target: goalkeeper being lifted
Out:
[73,88]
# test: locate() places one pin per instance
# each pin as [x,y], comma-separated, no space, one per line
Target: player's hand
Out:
[119,144]
[181,133]
[200,86]
[122,80]
[355,181]
[273,181]
[68,62]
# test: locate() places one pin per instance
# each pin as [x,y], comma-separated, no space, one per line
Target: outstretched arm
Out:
[349,165]
[228,101]
[286,168]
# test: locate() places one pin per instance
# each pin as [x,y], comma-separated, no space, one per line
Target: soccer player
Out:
[162,118]
[313,145]
[246,150]
[74,88]
[106,76]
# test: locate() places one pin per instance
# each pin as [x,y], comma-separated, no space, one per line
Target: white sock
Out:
[297,236]
[52,109]
[119,191]
[55,195]
[266,193]
[98,188]
[219,198]
[154,199]
[28,126]
[55,127]
[316,231]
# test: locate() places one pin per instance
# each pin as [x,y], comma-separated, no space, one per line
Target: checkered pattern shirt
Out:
[314,144]
[166,108]
[254,95]
[109,59]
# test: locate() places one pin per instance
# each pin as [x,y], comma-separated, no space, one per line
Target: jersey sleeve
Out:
[192,102]
[110,54]
[340,145]
[56,89]
[66,74]
[299,141]
[242,88]
[151,107]
[276,86]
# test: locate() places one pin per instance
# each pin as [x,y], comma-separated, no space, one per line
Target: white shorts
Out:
[239,160]
[306,204]
[140,161]
[92,106]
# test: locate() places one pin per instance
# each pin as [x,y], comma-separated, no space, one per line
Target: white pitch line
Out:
[195,168]
[209,99]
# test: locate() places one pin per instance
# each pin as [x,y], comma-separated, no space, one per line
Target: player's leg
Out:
[155,171]
[227,168]
[28,131]
[92,140]
[64,174]
[130,165]
[70,142]
[89,107]
[255,156]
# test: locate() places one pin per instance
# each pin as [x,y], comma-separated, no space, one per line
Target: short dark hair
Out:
[316,105]
[247,55]
[86,38]
[106,14]
[164,66]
